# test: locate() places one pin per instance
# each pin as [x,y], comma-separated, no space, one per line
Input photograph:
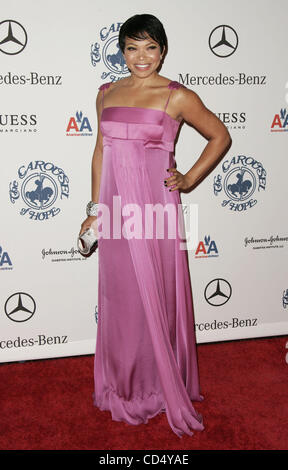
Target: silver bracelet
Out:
[91,208]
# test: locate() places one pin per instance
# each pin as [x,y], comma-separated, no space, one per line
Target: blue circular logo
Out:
[239,184]
[40,186]
[239,178]
[113,57]
[39,191]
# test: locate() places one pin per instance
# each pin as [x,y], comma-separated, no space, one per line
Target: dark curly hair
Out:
[138,26]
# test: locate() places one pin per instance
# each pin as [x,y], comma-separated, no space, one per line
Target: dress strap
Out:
[103,87]
[172,85]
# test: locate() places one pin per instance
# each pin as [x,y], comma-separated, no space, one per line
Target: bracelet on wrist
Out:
[91,208]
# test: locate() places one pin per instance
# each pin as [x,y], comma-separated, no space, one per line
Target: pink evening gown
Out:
[145,359]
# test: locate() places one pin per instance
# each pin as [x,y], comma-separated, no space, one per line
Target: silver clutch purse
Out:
[87,242]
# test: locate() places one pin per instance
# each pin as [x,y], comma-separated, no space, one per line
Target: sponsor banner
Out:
[264,243]
[240,79]
[235,329]
[42,346]
[57,255]
[31,79]
[233,120]
[18,123]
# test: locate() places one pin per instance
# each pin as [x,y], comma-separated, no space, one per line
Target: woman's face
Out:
[144,52]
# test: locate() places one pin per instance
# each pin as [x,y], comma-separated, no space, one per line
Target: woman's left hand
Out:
[177,180]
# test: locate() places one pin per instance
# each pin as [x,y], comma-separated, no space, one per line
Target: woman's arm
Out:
[193,111]
[96,167]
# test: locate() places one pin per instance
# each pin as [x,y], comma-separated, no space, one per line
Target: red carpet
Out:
[47,404]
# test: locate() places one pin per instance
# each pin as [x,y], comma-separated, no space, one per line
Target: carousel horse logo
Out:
[39,191]
[241,177]
[280,121]
[106,51]
[41,184]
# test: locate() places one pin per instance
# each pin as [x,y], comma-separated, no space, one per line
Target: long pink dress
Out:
[145,360]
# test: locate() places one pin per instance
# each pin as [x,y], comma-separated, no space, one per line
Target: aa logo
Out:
[206,248]
[79,126]
[5,261]
[280,121]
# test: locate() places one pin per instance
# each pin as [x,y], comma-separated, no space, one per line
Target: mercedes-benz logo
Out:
[20,307]
[223,41]
[218,292]
[13,37]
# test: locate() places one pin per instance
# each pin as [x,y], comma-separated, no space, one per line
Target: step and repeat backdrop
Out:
[53,59]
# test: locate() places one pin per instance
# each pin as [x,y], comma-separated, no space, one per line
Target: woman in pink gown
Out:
[145,360]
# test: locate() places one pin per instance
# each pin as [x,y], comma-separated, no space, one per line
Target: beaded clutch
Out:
[87,242]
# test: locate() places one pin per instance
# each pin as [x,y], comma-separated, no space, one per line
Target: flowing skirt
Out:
[145,360]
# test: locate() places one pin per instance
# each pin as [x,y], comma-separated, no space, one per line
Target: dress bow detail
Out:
[159,144]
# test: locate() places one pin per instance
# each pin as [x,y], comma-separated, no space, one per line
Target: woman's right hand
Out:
[87,223]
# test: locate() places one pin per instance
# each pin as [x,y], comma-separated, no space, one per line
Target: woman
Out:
[145,360]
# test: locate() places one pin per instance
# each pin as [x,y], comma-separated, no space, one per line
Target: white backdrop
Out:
[53,59]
